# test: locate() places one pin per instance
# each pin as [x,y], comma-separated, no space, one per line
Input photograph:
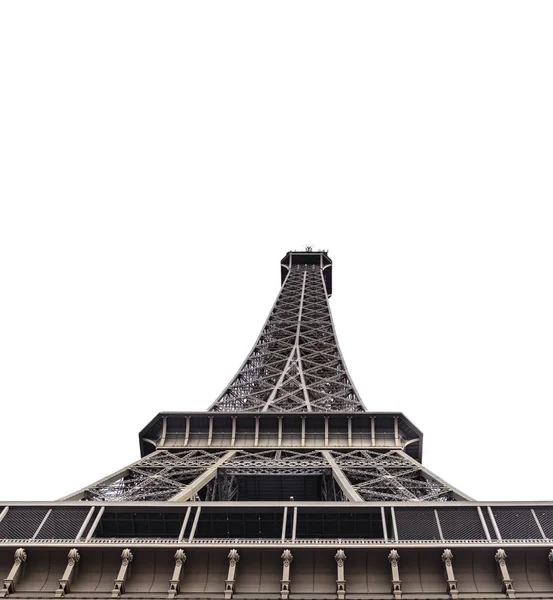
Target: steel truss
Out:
[296,364]
[159,476]
[392,476]
[373,475]
[276,461]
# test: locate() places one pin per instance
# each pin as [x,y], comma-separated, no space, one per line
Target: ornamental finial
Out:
[233,556]
[180,556]
[74,556]
[500,555]
[393,556]
[20,555]
[287,557]
[340,557]
[447,555]
[126,556]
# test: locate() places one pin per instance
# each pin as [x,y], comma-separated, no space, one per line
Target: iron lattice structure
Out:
[371,475]
[286,488]
[159,476]
[296,363]
[295,368]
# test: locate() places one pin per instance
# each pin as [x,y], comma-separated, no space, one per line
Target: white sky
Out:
[157,159]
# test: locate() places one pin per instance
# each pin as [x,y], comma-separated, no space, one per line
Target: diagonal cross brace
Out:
[193,488]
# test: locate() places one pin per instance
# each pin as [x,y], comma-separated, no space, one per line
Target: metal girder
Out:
[276,460]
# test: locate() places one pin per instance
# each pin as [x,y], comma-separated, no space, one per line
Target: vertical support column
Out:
[439,524]
[447,559]
[119,583]
[494,524]
[67,577]
[287,559]
[393,557]
[210,432]
[279,431]
[233,558]
[284,523]
[501,560]
[9,585]
[396,432]
[86,522]
[187,431]
[384,526]
[95,524]
[256,441]
[303,432]
[350,436]
[163,433]
[340,558]
[483,522]
[294,523]
[233,434]
[184,523]
[394,524]
[174,584]
[326,431]
[195,523]
[373,434]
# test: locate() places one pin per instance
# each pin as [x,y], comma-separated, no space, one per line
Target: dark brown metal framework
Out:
[286,488]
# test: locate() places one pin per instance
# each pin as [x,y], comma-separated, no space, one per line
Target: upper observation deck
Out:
[297,258]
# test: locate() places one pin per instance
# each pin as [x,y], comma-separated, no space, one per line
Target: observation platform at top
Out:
[299,258]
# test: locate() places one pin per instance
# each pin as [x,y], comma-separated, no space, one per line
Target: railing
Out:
[417,522]
[277,542]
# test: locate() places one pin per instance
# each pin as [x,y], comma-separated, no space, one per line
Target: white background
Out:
[159,158]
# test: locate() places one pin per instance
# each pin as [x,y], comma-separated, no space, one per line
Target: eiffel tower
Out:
[286,488]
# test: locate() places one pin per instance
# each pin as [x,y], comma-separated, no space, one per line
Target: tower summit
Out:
[287,487]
